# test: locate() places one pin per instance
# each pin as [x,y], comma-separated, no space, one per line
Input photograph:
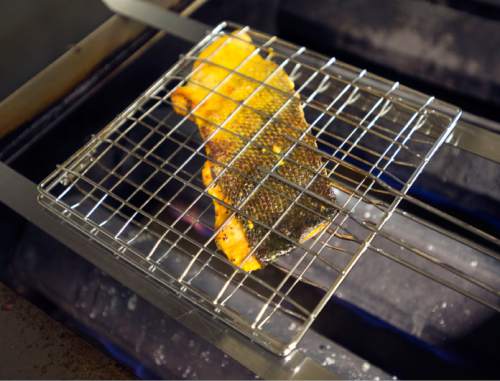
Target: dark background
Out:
[447,48]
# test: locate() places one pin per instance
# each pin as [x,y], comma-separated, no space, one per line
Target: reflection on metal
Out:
[375,137]
[20,195]
[474,134]
[154,15]
[478,136]
[75,173]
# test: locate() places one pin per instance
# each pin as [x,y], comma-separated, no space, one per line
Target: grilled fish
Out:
[254,163]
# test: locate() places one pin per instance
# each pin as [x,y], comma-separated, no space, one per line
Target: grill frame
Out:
[83,159]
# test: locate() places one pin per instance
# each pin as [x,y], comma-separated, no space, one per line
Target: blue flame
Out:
[446,355]
[443,202]
[437,200]
[118,354]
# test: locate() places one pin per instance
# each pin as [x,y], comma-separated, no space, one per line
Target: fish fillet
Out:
[260,125]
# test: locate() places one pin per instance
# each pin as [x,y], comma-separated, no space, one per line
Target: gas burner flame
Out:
[120,355]
[192,217]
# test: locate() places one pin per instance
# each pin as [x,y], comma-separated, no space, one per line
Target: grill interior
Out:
[136,188]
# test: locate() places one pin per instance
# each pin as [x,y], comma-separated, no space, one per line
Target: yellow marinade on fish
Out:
[271,120]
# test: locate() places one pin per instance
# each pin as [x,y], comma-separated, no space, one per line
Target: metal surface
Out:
[424,304]
[66,72]
[361,121]
[62,80]
[478,136]
[21,196]
[472,133]
[159,17]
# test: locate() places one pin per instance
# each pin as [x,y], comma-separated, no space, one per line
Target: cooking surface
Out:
[136,186]
[419,323]
[113,98]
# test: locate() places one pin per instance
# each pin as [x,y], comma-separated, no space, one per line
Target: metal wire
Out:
[136,187]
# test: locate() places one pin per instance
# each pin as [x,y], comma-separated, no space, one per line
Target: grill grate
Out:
[136,188]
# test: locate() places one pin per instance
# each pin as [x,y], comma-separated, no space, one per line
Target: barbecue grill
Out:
[135,191]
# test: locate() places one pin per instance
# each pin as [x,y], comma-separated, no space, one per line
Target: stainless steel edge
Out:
[159,17]
[477,135]
[20,194]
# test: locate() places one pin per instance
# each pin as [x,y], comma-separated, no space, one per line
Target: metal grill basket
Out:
[136,188]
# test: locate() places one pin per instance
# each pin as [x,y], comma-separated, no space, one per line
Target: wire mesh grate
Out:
[137,186]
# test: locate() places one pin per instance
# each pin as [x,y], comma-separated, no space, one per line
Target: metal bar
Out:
[264,307]
[389,210]
[367,242]
[436,261]
[66,72]
[20,195]
[165,20]
[436,279]
[156,16]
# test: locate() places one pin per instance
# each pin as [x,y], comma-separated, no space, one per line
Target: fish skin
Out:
[274,119]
